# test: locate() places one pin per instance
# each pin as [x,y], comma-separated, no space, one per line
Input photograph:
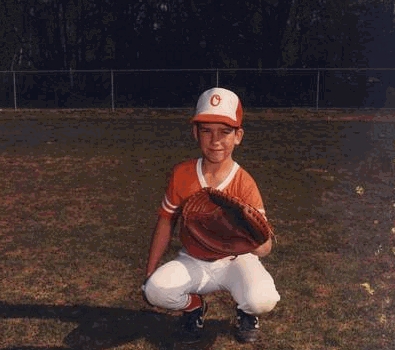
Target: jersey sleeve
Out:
[171,200]
[253,197]
[182,183]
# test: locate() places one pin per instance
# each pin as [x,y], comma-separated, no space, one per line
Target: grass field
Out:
[79,194]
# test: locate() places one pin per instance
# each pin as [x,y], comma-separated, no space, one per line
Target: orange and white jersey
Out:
[187,178]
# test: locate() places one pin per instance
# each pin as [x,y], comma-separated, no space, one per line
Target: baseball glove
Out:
[215,225]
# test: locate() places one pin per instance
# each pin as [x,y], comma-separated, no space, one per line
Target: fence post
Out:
[112,91]
[13,75]
[318,89]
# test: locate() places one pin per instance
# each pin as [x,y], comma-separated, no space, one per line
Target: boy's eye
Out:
[226,131]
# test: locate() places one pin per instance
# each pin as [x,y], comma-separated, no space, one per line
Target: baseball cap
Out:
[219,105]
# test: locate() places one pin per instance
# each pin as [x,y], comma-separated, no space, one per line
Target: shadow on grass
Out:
[106,327]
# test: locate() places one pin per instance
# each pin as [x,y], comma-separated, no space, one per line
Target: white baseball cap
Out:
[218,105]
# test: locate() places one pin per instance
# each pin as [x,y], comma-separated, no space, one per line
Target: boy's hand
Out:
[264,249]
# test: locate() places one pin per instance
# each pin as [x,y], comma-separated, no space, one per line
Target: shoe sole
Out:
[245,340]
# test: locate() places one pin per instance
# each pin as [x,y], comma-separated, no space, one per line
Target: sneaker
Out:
[192,324]
[247,327]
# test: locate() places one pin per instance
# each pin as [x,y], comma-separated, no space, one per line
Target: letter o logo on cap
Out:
[215,100]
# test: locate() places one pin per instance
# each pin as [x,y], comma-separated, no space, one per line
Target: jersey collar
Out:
[224,183]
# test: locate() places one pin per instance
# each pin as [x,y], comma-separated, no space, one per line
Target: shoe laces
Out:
[247,321]
[194,320]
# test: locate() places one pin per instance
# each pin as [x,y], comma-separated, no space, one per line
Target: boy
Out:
[180,284]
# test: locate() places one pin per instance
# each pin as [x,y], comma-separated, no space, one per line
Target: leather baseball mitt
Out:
[215,225]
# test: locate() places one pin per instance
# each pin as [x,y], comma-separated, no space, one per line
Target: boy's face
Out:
[217,141]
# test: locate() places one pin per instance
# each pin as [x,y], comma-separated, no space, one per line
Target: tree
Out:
[327,33]
[11,34]
[82,34]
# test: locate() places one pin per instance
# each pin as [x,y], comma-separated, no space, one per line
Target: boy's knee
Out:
[154,293]
[161,296]
[263,306]
[258,303]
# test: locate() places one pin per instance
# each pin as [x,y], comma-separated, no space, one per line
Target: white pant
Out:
[244,277]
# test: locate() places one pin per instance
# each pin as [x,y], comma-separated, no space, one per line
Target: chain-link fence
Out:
[180,88]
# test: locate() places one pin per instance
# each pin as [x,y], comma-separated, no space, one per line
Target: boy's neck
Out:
[217,169]
[216,173]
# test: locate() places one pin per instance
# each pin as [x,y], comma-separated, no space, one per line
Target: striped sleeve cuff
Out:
[168,207]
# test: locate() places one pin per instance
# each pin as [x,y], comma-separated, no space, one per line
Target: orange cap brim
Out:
[214,118]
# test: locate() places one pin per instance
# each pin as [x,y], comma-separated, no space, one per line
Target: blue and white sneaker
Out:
[192,324]
[247,327]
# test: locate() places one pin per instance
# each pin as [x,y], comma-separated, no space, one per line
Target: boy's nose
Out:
[215,137]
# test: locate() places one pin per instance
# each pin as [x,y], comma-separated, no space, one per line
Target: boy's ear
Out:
[239,136]
[195,131]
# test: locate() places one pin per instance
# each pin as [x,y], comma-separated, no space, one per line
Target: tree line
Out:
[109,34]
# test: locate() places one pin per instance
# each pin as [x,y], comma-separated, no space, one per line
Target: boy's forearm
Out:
[160,240]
